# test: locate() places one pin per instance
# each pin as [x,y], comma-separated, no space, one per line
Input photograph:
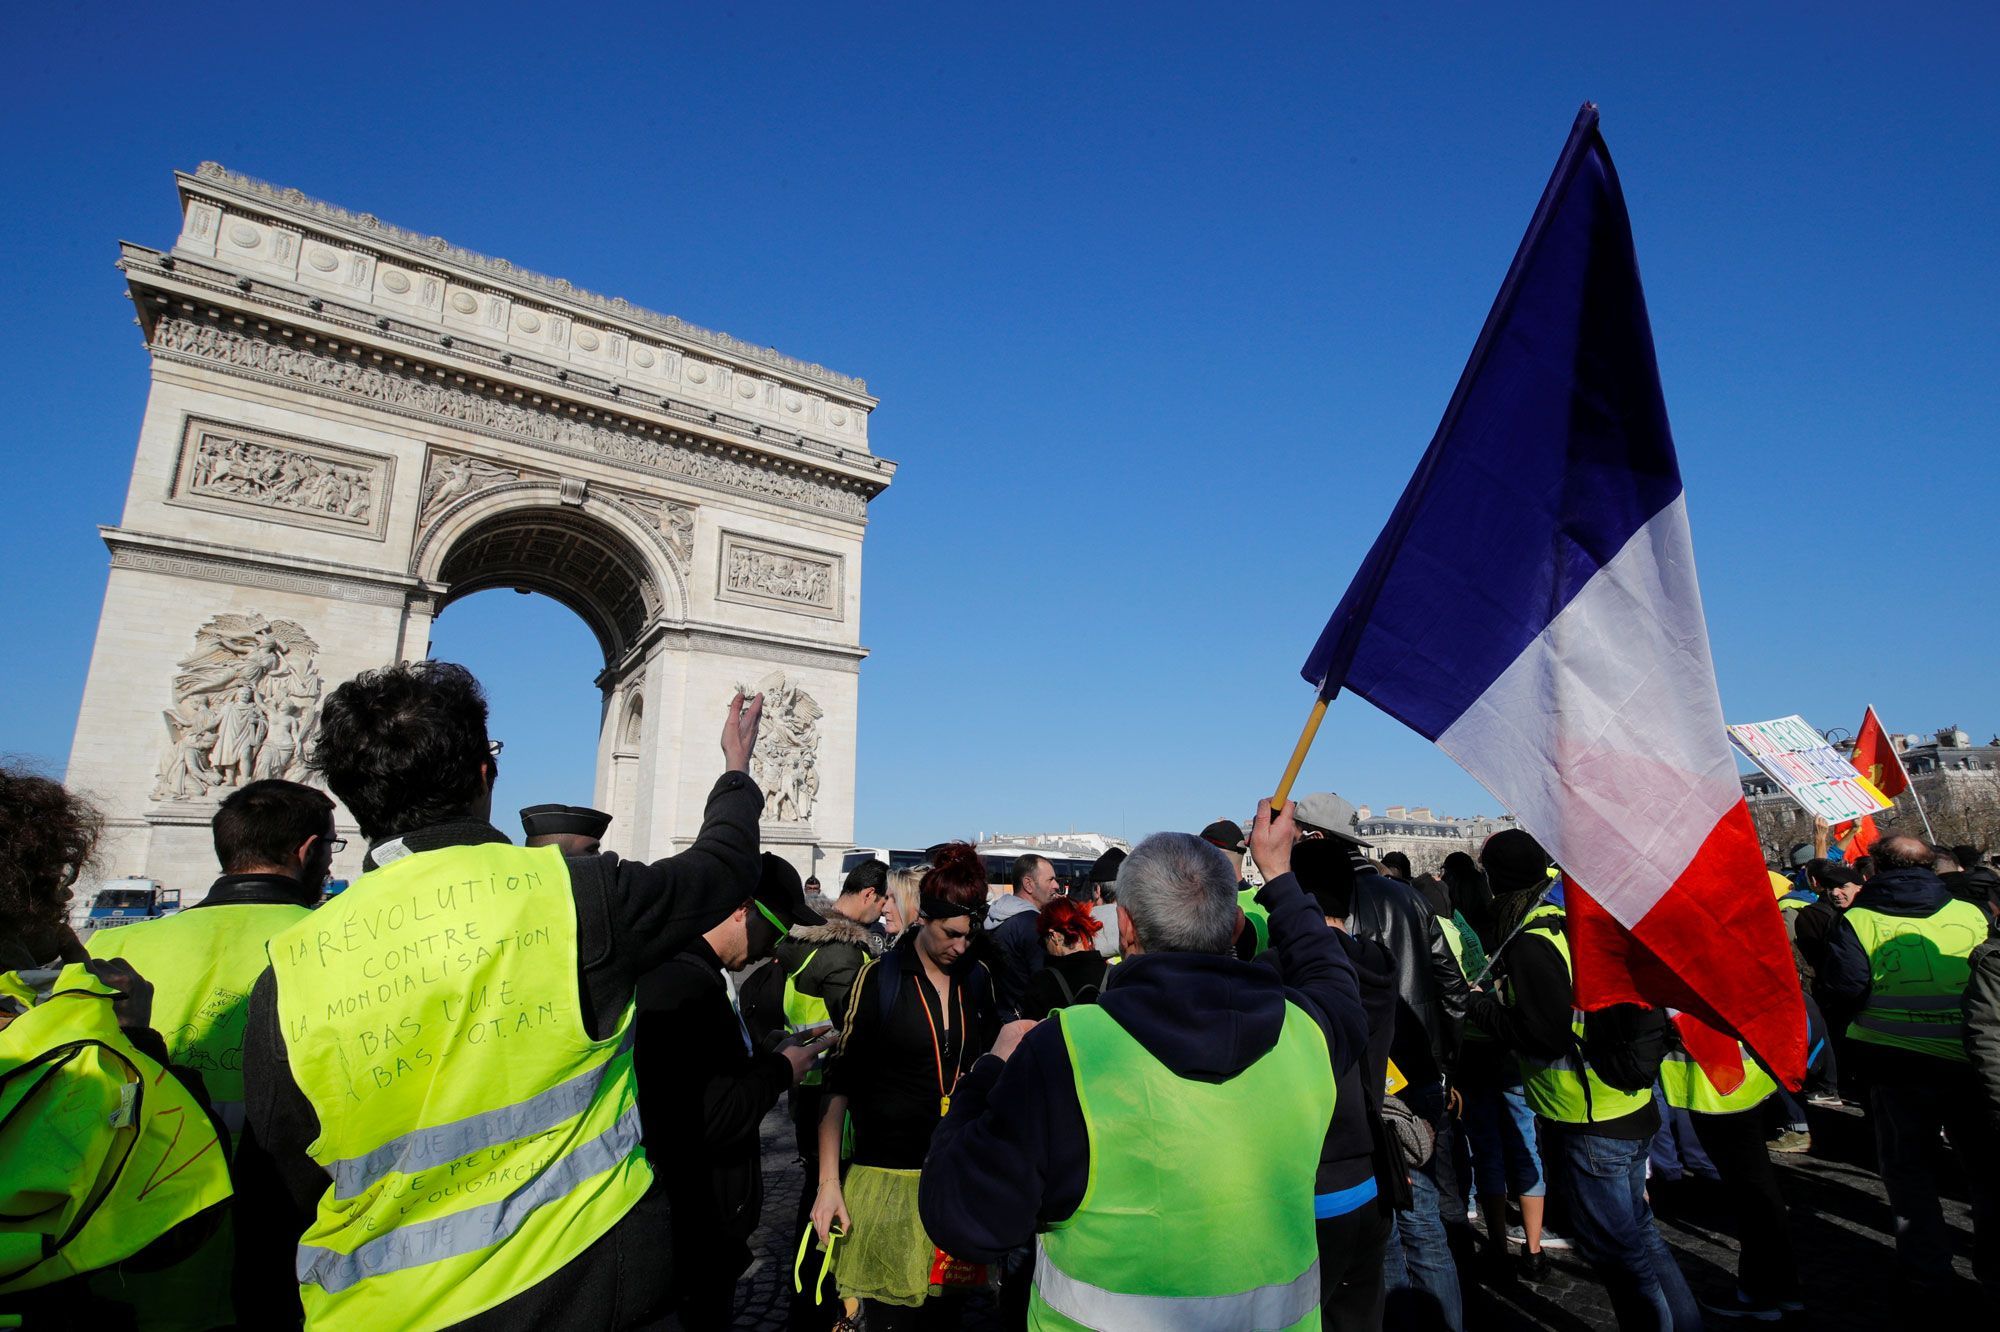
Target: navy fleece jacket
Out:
[1013,1155]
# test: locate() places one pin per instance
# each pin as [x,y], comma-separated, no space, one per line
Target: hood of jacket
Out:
[803,939]
[1906,891]
[1205,1016]
[1005,907]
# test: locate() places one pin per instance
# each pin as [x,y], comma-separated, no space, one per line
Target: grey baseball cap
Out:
[1330,814]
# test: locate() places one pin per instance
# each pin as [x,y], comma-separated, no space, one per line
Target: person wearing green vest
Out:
[1894,975]
[438,1064]
[110,1162]
[275,842]
[1160,1146]
[1589,1080]
[819,965]
[1730,1128]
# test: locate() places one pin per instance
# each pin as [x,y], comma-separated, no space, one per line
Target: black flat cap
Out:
[545,820]
[1225,833]
[780,892]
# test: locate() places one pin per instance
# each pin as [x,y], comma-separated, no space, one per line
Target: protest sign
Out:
[1812,772]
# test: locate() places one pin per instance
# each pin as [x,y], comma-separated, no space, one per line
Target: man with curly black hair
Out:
[438,1065]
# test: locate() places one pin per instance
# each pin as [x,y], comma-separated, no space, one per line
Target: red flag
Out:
[1719,1053]
[1875,758]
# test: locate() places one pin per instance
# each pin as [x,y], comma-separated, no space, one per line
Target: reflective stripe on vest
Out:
[477,1136]
[202,963]
[1687,1087]
[427,1149]
[1141,1250]
[1918,969]
[474,1228]
[102,1150]
[1091,1306]
[1556,1090]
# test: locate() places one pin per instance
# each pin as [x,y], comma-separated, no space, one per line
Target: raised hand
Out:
[739,731]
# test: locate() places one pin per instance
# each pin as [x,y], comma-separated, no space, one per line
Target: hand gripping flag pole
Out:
[1572,676]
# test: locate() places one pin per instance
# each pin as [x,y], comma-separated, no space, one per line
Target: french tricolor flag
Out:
[1532,608]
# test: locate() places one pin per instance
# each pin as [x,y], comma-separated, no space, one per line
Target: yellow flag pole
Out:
[1299,753]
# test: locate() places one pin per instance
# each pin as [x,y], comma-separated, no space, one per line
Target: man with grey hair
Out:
[1190,1103]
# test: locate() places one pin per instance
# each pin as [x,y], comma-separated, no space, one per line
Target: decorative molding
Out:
[443,251]
[224,468]
[247,570]
[845,660]
[332,375]
[759,572]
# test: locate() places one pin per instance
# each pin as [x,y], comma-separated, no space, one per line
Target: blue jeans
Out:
[1417,1266]
[1605,1182]
[1505,1160]
[1675,1150]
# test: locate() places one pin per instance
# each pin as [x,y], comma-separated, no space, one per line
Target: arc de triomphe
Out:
[351,425]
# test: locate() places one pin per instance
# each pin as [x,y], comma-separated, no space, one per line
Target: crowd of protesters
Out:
[1230,1080]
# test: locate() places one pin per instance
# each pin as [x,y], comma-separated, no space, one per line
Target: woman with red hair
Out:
[917,1019]
[1075,970]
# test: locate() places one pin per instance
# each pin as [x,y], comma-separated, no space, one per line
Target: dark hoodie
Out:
[1013,1155]
[1845,978]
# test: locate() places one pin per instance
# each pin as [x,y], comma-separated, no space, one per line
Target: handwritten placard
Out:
[1813,772]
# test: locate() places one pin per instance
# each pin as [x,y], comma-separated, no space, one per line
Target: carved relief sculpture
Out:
[784,576]
[244,701]
[785,762]
[452,475]
[280,478]
[678,523]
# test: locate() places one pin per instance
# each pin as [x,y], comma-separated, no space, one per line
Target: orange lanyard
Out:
[937,1048]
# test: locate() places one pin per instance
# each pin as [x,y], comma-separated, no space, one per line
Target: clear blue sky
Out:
[1163,304]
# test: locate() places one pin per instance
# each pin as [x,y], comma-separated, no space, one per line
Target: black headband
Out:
[943,908]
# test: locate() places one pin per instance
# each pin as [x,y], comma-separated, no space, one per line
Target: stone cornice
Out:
[707,636]
[426,392]
[240,567]
[213,177]
[163,283]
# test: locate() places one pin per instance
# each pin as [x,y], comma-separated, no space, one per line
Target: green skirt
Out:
[886,1256]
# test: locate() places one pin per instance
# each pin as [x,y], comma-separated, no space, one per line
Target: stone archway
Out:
[350,426]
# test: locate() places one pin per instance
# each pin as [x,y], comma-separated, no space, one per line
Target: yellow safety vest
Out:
[1171,1232]
[1687,1086]
[477,1137]
[1557,1090]
[1918,969]
[202,963]
[102,1150]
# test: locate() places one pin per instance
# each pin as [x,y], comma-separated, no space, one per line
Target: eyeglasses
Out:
[494,747]
[336,844]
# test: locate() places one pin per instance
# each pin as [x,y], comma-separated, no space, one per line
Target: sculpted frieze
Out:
[332,374]
[775,574]
[305,483]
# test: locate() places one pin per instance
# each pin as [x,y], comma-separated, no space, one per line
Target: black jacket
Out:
[1014,953]
[702,1095]
[1982,1027]
[1430,989]
[1081,972]
[1013,1156]
[1537,1023]
[1355,1147]
[1979,885]
[632,918]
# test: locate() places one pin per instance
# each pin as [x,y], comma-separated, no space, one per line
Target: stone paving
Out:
[1840,1218]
